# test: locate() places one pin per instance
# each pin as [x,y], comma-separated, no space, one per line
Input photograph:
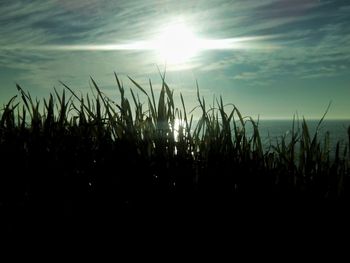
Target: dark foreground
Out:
[95,166]
[119,191]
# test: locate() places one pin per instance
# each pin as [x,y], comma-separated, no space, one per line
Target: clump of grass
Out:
[130,153]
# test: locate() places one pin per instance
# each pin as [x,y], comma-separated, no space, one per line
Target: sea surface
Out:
[271,131]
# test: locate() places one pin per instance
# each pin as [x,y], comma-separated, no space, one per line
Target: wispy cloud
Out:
[313,40]
[48,40]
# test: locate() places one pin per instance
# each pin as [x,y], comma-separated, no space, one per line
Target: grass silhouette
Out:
[69,157]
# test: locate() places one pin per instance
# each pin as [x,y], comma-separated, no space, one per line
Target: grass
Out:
[73,153]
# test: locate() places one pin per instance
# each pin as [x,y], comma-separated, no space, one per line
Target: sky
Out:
[270,58]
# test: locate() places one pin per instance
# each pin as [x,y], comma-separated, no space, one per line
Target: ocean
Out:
[272,130]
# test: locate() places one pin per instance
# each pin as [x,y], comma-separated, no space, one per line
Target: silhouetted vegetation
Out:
[69,157]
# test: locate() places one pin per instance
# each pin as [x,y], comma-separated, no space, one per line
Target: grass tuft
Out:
[79,148]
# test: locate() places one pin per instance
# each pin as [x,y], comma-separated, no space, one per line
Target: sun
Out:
[176,44]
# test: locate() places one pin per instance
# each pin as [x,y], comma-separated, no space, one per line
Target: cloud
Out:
[313,45]
[245,76]
[312,37]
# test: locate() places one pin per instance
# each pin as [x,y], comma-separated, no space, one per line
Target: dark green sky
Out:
[271,58]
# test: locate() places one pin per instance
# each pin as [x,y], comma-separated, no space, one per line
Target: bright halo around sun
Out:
[177,44]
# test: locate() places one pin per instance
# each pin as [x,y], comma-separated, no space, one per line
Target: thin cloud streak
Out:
[201,44]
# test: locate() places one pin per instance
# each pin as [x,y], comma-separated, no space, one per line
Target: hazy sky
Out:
[271,58]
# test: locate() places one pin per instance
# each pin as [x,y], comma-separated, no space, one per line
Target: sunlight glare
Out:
[176,44]
[178,125]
